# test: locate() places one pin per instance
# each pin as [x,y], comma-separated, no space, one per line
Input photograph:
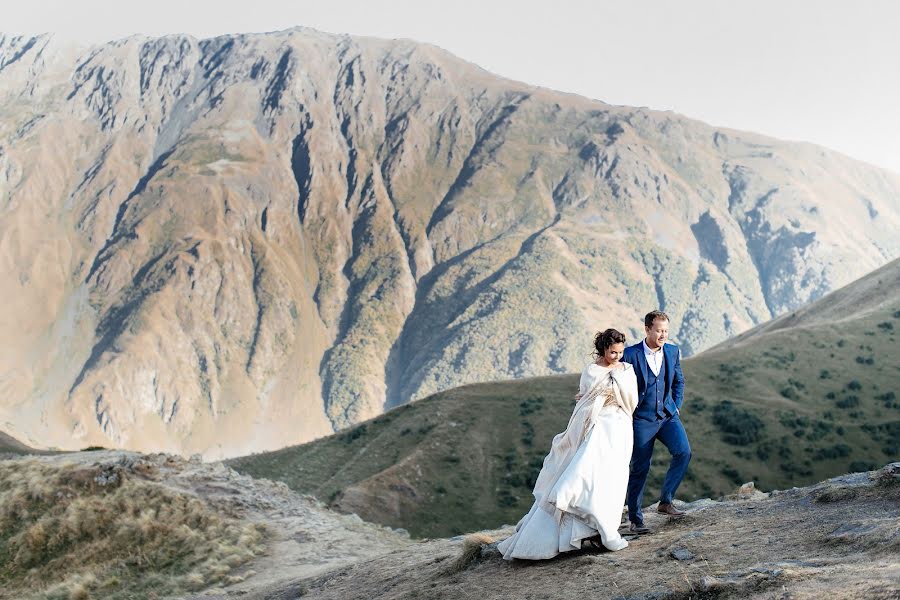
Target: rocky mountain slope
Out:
[805,397]
[238,243]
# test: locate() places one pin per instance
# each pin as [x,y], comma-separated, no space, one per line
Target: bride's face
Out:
[614,353]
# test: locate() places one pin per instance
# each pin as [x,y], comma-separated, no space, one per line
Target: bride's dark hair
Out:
[606,338]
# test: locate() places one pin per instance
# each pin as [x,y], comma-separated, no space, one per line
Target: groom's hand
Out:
[578,396]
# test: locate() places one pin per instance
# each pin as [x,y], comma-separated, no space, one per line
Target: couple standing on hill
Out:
[628,398]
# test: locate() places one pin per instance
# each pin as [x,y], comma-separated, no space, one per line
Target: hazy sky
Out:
[816,70]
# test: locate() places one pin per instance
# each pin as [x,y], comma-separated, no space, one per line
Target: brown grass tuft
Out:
[471,551]
[79,592]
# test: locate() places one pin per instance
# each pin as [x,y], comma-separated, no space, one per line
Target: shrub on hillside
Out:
[819,430]
[850,401]
[859,466]
[793,469]
[889,399]
[732,474]
[792,421]
[738,427]
[530,405]
[832,452]
[790,393]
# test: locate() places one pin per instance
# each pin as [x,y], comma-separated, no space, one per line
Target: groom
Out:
[660,393]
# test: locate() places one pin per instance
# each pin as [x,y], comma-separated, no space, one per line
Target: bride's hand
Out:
[578,396]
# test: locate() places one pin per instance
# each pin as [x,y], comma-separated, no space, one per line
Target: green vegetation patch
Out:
[737,426]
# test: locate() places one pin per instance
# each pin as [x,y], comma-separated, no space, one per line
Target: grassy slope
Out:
[809,395]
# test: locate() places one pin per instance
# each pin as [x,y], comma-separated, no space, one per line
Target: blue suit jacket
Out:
[674,394]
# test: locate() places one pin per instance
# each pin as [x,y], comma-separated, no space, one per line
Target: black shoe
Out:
[638,529]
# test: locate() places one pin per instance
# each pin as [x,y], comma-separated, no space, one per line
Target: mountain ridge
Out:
[293,231]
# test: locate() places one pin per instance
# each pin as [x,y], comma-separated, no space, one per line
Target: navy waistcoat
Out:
[655,401]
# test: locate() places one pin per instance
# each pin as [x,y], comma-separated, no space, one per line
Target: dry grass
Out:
[71,531]
[889,476]
[886,480]
[471,551]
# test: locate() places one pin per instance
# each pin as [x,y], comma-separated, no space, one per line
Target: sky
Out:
[822,71]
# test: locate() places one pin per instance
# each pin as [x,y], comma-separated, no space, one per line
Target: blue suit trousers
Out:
[670,432]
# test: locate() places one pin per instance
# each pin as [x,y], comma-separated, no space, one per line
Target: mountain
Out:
[807,396]
[234,244]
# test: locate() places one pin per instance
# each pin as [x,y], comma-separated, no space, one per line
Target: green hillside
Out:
[794,401]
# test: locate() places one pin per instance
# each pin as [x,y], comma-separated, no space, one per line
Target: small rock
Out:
[489,550]
[853,530]
[798,563]
[682,554]
[709,583]
[654,595]
[108,475]
[850,479]
[693,534]
[698,504]
[747,491]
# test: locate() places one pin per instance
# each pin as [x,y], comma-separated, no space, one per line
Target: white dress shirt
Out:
[654,358]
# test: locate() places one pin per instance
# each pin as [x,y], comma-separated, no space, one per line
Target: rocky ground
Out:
[836,539]
[839,538]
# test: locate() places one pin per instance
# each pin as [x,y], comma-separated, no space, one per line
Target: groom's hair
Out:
[654,315]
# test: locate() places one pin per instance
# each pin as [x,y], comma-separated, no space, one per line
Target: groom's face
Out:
[658,333]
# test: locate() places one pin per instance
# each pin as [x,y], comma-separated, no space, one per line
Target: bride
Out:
[580,490]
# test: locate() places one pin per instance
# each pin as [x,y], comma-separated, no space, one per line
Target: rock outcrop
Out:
[233,244]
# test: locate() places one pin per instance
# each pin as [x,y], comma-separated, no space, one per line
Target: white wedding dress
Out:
[580,490]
